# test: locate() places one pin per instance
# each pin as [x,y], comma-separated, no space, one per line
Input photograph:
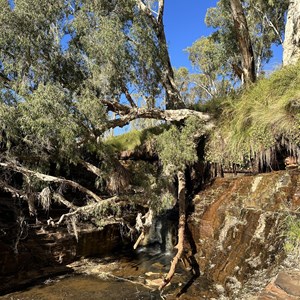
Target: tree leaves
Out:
[266,25]
[177,146]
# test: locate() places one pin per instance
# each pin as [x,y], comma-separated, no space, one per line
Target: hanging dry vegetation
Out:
[259,122]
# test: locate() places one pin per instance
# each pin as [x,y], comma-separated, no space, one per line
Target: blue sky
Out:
[184,24]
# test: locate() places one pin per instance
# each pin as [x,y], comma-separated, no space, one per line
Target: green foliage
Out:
[120,46]
[163,202]
[292,243]
[177,147]
[205,55]
[126,141]
[213,106]
[133,139]
[218,58]
[198,88]
[258,119]
[47,122]
[266,24]
[152,187]
[30,49]
[51,93]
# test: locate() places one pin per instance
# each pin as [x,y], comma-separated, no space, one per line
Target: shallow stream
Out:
[129,278]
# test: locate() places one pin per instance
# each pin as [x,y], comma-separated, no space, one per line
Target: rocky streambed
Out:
[235,249]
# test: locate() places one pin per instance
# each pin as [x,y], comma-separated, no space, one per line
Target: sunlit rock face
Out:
[238,225]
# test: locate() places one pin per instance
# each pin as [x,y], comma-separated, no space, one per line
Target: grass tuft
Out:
[259,119]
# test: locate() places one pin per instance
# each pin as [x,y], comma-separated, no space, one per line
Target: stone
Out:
[273,292]
[289,282]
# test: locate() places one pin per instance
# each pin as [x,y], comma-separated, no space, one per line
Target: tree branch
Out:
[14,192]
[128,96]
[115,106]
[48,178]
[144,113]
[161,4]
[87,208]
[181,229]
[59,198]
[90,167]
[270,23]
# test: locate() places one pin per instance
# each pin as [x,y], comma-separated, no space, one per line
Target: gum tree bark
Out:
[291,45]
[181,229]
[173,97]
[244,41]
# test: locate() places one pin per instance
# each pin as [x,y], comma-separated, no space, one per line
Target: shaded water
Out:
[128,278]
[83,287]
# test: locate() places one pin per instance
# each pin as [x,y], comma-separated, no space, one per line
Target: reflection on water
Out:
[108,278]
[127,278]
[84,288]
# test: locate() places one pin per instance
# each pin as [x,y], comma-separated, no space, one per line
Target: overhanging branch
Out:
[144,113]
[48,178]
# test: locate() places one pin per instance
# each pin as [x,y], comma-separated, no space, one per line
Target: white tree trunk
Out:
[181,229]
[291,45]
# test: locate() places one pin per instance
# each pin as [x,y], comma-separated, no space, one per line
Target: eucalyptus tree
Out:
[177,148]
[243,36]
[211,78]
[65,68]
[66,65]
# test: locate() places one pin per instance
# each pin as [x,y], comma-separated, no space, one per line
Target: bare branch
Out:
[203,88]
[48,178]
[144,113]
[90,167]
[87,209]
[15,192]
[59,198]
[128,96]
[270,23]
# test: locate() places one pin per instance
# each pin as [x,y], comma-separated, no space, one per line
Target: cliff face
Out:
[238,226]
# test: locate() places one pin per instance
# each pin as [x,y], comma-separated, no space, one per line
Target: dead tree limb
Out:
[154,113]
[13,191]
[59,198]
[48,178]
[87,209]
